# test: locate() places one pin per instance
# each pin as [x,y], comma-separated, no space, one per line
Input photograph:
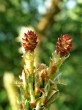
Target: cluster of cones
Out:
[38,84]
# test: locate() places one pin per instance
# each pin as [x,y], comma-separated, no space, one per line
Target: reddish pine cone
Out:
[63,45]
[29,41]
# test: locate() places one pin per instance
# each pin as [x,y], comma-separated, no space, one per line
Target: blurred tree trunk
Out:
[48,18]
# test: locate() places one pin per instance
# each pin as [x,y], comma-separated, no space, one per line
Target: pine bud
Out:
[29,41]
[63,45]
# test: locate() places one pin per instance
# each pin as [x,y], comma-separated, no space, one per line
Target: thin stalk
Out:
[38,106]
[29,61]
[32,95]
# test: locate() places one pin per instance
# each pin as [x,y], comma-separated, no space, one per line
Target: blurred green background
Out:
[50,19]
